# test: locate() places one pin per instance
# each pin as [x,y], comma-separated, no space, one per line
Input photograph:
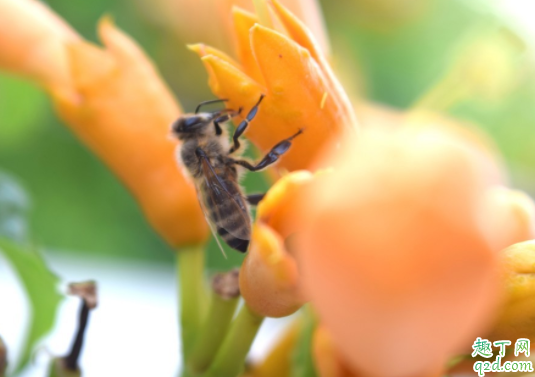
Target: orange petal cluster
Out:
[290,69]
[396,253]
[113,99]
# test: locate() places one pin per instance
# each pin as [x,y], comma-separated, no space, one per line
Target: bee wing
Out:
[209,221]
[228,209]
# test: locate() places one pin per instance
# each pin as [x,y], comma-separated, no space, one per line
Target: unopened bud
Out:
[269,279]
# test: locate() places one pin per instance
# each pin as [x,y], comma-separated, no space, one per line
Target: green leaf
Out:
[22,106]
[40,286]
[14,205]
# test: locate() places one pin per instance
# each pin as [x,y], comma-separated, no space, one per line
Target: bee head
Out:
[190,125]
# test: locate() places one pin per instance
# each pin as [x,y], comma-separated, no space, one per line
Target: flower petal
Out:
[511,216]
[304,37]
[277,207]
[203,50]
[298,97]
[243,22]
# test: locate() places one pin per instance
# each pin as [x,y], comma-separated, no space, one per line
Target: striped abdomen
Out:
[227,208]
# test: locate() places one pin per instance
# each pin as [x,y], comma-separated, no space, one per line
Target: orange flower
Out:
[122,112]
[408,271]
[113,99]
[301,90]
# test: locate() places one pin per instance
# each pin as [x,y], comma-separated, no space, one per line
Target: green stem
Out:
[454,361]
[3,358]
[302,359]
[57,369]
[190,269]
[230,358]
[213,332]
[444,94]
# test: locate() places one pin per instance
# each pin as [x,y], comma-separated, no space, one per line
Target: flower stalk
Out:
[224,299]
[230,358]
[443,95]
[190,270]
[87,292]
[67,366]
[71,360]
[3,358]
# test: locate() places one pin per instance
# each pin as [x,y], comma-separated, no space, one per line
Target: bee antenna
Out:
[208,102]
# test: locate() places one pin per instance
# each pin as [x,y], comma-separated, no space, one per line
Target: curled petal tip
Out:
[89,64]
[228,81]
[106,27]
[106,21]
[278,207]
[196,47]
[236,10]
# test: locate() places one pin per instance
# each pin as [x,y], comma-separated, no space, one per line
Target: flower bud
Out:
[269,278]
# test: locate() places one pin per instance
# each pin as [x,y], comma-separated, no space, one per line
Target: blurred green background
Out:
[389,52]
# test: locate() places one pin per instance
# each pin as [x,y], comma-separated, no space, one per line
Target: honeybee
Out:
[208,156]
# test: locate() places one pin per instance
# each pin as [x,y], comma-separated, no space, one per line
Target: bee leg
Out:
[272,156]
[254,199]
[243,126]
[223,119]
[218,130]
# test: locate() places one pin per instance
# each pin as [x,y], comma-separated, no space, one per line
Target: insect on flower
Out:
[207,155]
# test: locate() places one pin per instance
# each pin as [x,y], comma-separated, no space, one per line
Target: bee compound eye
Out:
[191,122]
